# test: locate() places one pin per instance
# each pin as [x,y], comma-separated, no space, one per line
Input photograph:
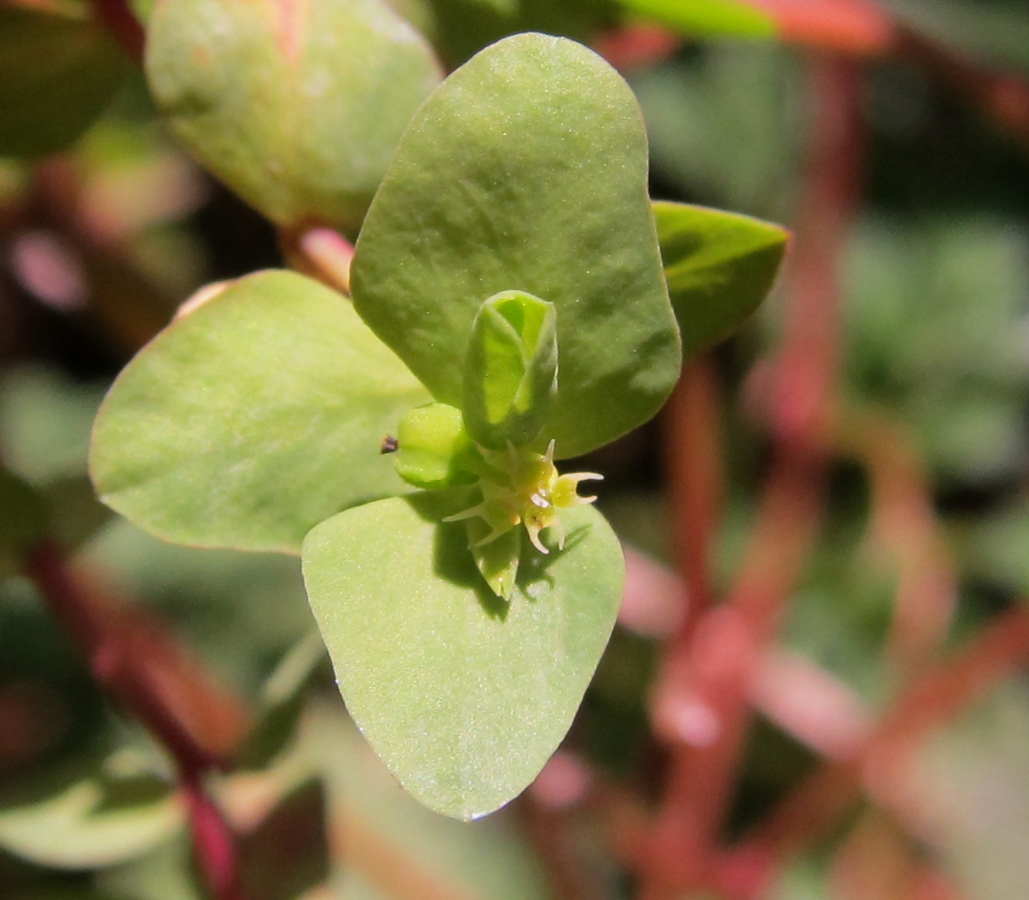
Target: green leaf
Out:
[281,702]
[297,106]
[77,514]
[25,515]
[58,71]
[510,372]
[253,418]
[463,695]
[51,891]
[47,420]
[85,816]
[706,18]
[992,32]
[168,873]
[719,265]
[493,190]
[465,26]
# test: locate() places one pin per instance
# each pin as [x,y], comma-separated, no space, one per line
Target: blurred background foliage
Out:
[99,244]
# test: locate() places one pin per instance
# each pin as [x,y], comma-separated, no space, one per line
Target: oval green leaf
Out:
[253,418]
[719,265]
[463,695]
[58,70]
[297,105]
[526,170]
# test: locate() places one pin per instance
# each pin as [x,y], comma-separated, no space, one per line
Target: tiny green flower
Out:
[520,486]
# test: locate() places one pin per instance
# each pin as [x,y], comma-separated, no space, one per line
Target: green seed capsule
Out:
[433,449]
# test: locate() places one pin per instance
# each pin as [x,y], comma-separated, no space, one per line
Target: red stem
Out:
[936,697]
[319,252]
[137,688]
[1002,97]
[213,840]
[693,465]
[113,668]
[700,701]
[858,28]
[124,27]
[905,528]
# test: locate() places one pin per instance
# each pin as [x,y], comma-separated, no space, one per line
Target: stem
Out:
[213,841]
[998,651]
[631,47]
[905,526]
[693,463]
[700,702]
[1002,97]
[858,28]
[321,253]
[118,658]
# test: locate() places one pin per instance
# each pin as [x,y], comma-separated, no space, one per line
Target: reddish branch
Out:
[936,697]
[124,27]
[215,843]
[700,702]
[1004,98]
[878,860]
[693,456]
[904,526]
[320,253]
[858,28]
[151,679]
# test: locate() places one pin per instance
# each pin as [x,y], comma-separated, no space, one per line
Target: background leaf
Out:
[58,70]
[252,419]
[85,815]
[297,106]
[704,18]
[548,198]
[280,705]
[387,845]
[463,27]
[847,26]
[993,32]
[936,319]
[25,516]
[719,266]
[463,696]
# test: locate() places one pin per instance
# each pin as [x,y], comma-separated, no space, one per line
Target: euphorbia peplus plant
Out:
[509,310]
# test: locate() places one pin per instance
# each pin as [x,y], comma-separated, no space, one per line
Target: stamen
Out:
[533,529]
[470,513]
[559,527]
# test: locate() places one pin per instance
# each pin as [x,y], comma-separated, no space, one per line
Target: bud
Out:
[510,375]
